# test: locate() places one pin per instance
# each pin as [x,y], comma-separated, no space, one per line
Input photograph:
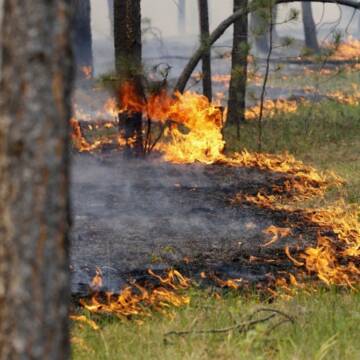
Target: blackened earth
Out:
[131,215]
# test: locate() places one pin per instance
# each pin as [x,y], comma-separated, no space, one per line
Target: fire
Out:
[83,319]
[192,132]
[223,79]
[335,259]
[136,300]
[111,107]
[79,141]
[97,281]
[276,233]
[191,125]
[201,139]
[87,71]
[347,50]
[343,98]
[271,108]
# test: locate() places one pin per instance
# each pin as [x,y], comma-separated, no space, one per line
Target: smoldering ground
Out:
[131,215]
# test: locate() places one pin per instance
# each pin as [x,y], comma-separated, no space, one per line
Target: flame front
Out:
[137,300]
[193,131]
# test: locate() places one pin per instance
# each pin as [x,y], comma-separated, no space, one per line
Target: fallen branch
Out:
[241,327]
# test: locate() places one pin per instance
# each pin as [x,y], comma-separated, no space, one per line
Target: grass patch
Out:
[326,135]
[327,326]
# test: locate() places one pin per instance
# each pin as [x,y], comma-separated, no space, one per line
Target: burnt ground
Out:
[131,215]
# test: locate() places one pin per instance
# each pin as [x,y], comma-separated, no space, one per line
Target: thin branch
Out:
[266,77]
[241,327]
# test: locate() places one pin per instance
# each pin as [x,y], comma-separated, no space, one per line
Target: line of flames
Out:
[135,300]
[335,260]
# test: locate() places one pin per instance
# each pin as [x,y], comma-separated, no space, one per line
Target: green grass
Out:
[327,326]
[326,135]
[337,79]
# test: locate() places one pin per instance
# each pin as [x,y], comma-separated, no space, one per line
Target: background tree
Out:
[204,37]
[237,90]
[311,41]
[128,63]
[182,16]
[82,37]
[259,25]
[34,208]
[111,15]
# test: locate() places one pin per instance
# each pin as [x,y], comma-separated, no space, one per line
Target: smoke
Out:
[130,215]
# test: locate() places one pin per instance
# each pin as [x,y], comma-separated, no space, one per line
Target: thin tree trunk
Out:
[35,109]
[111,15]
[182,16]
[258,25]
[237,90]
[259,28]
[204,38]
[128,56]
[82,37]
[311,41]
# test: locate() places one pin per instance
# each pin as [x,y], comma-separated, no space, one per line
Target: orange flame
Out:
[276,234]
[87,71]
[193,134]
[136,300]
[271,108]
[347,50]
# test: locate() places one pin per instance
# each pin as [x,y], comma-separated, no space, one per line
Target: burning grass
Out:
[346,50]
[271,108]
[192,129]
[324,134]
[138,301]
[335,259]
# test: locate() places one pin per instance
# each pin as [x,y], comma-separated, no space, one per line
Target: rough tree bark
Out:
[181,16]
[311,41]
[35,109]
[224,25]
[204,37]
[237,90]
[82,37]
[128,56]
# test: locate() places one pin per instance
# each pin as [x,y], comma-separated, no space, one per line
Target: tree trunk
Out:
[35,109]
[82,37]
[128,56]
[204,38]
[111,15]
[311,41]
[259,25]
[237,90]
[182,16]
[259,28]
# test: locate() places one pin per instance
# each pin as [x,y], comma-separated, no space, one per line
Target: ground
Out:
[327,320]
[152,214]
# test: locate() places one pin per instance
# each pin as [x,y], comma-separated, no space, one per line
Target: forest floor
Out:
[326,320]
